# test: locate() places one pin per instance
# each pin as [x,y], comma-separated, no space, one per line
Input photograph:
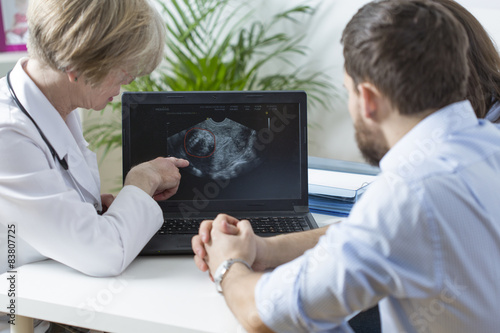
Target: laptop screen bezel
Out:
[223,97]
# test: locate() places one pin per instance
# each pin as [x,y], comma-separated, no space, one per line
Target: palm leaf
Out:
[220,45]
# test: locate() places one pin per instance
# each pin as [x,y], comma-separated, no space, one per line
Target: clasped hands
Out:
[227,238]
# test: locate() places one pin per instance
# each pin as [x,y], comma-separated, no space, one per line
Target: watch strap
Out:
[222,270]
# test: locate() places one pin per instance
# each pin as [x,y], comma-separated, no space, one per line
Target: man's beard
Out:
[371,142]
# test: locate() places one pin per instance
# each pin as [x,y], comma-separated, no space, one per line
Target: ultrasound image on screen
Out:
[216,150]
[236,152]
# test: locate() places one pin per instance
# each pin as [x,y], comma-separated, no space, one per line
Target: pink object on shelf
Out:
[13,25]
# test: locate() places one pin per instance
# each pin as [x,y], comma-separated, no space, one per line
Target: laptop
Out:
[247,154]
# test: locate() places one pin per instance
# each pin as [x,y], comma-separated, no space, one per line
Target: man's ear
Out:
[370,100]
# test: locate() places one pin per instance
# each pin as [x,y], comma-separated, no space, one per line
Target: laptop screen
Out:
[243,151]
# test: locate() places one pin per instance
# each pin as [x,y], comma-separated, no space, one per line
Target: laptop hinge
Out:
[301,209]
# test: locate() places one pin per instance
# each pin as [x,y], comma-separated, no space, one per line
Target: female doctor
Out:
[80,53]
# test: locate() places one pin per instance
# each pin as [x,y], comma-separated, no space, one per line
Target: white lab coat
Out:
[55,215]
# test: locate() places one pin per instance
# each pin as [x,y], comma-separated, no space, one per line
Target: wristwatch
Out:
[223,269]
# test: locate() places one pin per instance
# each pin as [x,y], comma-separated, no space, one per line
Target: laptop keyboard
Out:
[260,225]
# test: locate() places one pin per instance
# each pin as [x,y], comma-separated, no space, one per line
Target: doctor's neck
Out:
[54,85]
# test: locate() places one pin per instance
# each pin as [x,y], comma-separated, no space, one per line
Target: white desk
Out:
[154,294]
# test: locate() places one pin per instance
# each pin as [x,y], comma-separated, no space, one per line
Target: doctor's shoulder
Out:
[11,117]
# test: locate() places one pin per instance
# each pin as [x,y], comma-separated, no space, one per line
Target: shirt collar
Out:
[41,110]
[423,139]
[66,137]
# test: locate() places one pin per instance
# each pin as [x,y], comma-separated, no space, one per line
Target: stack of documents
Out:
[335,192]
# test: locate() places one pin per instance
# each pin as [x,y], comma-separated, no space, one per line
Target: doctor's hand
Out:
[226,225]
[159,178]
[106,200]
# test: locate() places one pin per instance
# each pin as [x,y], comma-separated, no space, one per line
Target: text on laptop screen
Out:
[236,151]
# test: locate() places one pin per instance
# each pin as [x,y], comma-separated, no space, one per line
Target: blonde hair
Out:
[94,37]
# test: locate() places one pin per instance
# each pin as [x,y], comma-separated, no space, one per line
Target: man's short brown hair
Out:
[413,51]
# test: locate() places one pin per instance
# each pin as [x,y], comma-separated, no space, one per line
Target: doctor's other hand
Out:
[159,178]
[106,199]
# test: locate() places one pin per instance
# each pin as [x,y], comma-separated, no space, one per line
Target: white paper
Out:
[342,180]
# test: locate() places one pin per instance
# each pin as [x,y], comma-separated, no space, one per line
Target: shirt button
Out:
[96,205]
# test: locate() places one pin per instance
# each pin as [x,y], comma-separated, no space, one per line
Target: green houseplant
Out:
[218,45]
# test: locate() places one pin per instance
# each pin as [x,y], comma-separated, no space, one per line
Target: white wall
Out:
[335,137]
[331,133]
[488,13]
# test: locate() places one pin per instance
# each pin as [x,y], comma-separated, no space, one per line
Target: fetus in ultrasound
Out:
[216,150]
[199,142]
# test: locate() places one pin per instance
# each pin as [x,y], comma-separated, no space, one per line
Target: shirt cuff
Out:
[137,216]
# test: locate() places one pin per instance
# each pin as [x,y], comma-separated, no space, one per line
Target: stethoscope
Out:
[61,161]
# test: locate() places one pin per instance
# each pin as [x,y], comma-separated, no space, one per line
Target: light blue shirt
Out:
[424,241]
